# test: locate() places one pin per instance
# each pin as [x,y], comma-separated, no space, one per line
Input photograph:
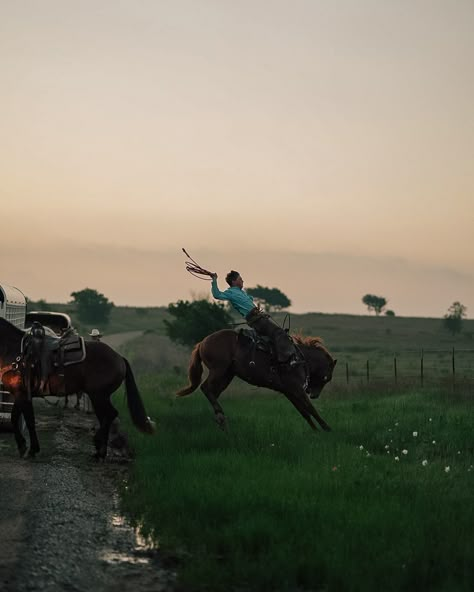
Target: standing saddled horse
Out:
[100,374]
[227,354]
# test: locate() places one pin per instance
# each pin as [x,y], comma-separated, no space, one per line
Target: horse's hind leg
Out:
[78,400]
[106,413]
[212,387]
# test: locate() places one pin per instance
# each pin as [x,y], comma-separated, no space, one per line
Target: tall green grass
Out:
[269,505]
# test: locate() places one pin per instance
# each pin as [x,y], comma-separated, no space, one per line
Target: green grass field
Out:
[269,505]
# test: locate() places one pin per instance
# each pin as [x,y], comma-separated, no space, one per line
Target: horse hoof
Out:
[29,454]
[22,451]
[221,422]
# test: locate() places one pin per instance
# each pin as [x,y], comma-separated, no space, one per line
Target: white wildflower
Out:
[387,446]
[447,469]
[424,463]
[415,434]
[361,447]
[404,451]
[397,458]
[434,441]
[430,419]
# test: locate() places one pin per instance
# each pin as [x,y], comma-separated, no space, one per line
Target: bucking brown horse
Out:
[100,374]
[227,354]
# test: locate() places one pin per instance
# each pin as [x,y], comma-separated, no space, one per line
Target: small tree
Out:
[269,298]
[40,304]
[195,320]
[389,313]
[375,303]
[92,306]
[453,318]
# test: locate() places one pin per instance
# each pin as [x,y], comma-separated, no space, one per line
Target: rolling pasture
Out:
[382,502]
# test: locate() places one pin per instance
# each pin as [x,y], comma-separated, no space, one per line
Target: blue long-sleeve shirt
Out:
[240,300]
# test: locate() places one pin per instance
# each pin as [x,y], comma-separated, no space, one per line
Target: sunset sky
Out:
[325,148]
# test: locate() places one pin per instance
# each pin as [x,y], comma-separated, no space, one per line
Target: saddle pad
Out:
[72,343]
[73,350]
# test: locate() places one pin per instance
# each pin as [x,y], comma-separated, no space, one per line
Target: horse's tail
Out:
[135,404]
[194,373]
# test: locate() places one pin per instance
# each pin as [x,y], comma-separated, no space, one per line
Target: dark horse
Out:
[99,375]
[226,354]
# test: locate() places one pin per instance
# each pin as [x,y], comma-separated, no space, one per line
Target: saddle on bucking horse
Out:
[253,341]
[44,354]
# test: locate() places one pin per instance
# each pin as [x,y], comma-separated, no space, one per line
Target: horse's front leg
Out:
[29,415]
[300,400]
[16,422]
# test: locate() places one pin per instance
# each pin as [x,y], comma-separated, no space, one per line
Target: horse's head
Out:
[320,364]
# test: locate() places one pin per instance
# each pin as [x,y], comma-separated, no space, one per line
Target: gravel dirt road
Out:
[60,526]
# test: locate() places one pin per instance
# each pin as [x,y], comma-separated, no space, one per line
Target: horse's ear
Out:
[334,363]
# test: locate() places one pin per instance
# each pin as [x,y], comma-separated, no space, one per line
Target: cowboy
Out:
[95,334]
[260,321]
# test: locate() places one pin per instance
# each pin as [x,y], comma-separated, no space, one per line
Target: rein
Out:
[195,269]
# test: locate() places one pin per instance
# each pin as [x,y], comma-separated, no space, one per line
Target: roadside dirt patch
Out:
[60,524]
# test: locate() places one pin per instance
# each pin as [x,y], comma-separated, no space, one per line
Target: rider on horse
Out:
[260,321]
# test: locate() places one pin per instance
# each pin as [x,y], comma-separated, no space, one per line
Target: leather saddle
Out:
[251,341]
[44,353]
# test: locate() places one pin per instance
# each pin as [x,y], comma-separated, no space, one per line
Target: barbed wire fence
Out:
[420,367]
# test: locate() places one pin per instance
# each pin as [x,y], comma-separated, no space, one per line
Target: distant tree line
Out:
[193,320]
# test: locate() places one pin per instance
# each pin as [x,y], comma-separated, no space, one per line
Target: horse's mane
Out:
[313,342]
[309,341]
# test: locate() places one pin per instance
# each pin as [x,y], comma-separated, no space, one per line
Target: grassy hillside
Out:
[369,349]
[348,333]
[122,318]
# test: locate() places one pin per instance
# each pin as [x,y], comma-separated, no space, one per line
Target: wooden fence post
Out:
[454,370]
[368,373]
[422,376]
[395,369]
[347,373]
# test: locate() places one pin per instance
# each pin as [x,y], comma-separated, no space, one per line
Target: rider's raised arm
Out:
[215,290]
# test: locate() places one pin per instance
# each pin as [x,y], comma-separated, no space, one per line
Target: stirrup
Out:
[295,362]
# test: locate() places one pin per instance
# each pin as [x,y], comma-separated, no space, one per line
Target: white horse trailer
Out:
[12,305]
[13,309]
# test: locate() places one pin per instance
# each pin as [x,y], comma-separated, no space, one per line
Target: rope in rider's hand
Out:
[195,269]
